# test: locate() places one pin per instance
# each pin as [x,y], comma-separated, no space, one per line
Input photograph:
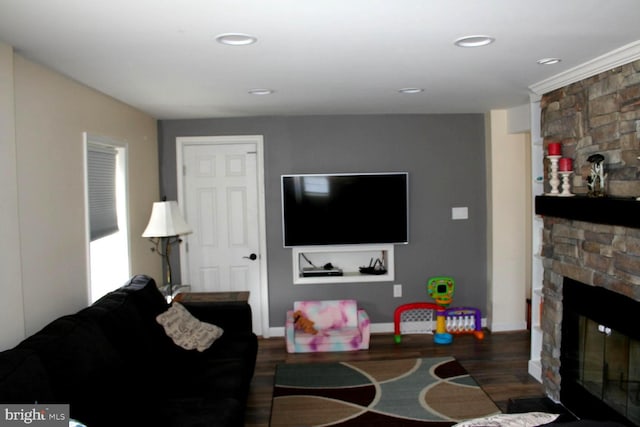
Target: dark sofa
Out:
[115,366]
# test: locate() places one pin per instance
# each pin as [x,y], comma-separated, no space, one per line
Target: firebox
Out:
[600,353]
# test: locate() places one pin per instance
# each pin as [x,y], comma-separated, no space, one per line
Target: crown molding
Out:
[608,61]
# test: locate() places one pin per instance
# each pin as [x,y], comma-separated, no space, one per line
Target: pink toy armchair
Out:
[340,324]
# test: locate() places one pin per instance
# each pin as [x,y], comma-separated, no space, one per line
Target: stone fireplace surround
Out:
[592,241]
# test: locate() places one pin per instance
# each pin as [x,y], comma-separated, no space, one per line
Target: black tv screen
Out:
[345,209]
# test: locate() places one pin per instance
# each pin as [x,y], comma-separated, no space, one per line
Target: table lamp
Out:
[164,229]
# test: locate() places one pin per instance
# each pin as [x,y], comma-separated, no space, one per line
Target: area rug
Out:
[401,392]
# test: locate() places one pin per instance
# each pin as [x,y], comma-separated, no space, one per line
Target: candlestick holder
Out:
[554,181]
[566,187]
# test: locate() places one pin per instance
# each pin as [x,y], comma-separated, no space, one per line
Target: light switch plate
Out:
[397,291]
[460,213]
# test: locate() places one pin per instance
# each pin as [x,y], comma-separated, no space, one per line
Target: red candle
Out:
[554,149]
[565,164]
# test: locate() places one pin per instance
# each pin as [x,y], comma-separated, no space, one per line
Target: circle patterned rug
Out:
[400,392]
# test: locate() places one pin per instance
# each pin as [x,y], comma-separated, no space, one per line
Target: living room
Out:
[457,139]
[474,160]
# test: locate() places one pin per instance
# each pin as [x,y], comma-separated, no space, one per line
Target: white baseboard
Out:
[276,332]
[377,328]
[508,326]
[535,369]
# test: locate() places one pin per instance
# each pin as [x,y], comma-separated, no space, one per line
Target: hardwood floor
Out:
[498,363]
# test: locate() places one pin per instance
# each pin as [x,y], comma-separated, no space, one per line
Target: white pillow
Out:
[529,419]
[187,331]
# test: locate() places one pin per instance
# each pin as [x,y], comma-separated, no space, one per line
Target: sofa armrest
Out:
[289,319]
[289,332]
[364,324]
[234,317]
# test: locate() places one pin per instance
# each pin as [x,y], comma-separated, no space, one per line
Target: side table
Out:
[209,297]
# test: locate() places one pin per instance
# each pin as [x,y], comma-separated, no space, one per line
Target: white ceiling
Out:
[319,56]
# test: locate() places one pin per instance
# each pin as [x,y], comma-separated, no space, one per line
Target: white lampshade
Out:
[166,220]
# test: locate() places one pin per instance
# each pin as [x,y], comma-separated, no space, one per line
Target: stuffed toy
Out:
[303,324]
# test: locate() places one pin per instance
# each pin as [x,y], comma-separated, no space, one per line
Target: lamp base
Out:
[170,291]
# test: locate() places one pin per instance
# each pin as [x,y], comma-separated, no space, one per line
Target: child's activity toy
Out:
[417,317]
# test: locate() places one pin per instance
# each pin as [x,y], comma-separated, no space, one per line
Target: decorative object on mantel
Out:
[566,169]
[554,154]
[596,180]
[565,164]
[554,181]
[554,149]
[559,166]
[164,229]
[566,187]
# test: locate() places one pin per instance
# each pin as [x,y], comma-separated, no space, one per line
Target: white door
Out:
[220,191]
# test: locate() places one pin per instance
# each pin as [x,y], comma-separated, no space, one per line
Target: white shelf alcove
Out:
[348,258]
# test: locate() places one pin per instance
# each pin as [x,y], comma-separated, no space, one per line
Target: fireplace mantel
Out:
[599,210]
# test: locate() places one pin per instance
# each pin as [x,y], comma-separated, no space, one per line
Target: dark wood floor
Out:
[498,363]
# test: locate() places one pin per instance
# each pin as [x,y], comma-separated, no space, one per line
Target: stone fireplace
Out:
[588,243]
[594,245]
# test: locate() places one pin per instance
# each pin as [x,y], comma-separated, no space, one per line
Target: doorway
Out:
[221,190]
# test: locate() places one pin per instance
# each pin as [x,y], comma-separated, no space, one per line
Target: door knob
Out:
[252,257]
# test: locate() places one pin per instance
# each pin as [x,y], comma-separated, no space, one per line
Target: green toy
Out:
[441,290]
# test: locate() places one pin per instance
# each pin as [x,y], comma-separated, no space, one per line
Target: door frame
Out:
[258,140]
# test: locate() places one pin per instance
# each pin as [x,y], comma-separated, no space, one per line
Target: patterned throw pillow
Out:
[529,419]
[187,331]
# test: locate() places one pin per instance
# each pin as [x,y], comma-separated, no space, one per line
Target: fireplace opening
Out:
[600,354]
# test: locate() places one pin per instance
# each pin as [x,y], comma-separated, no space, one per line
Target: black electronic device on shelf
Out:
[321,272]
[326,270]
[376,267]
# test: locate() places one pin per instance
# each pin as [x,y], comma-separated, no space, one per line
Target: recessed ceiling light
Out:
[548,61]
[410,90]
[261,91]
[474,41]
[236,39]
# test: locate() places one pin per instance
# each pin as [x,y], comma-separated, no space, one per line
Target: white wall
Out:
[519,119]
[48,240]
[507,224]
[11,303]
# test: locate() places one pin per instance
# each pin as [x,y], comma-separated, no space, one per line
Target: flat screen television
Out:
[345,209]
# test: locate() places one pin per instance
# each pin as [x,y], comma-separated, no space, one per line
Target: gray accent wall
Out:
[445,157]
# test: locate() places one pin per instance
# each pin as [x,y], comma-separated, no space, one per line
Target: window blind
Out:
[101,174]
